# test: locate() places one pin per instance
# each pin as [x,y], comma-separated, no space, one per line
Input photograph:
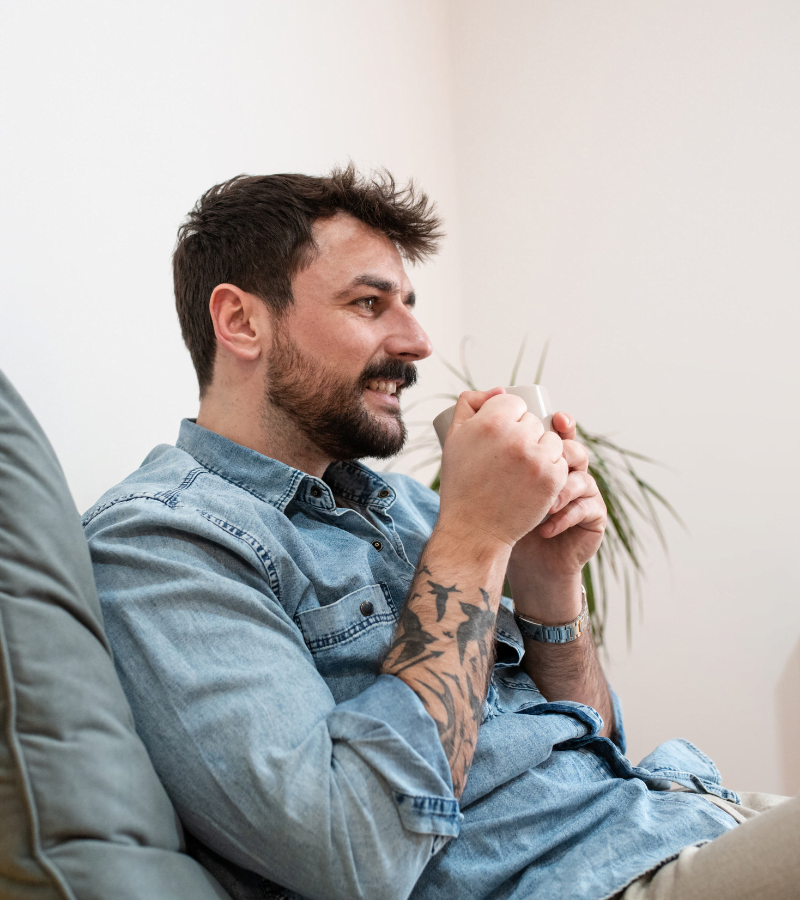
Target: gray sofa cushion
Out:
[82,812]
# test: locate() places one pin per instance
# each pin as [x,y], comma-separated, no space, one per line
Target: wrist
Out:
[479,546]
[565,633]
[548,601]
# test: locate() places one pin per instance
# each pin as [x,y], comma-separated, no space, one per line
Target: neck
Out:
[260,427]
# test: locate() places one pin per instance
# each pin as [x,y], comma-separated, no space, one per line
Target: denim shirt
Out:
[249,614]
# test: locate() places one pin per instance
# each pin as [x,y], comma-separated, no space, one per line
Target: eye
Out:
[367,303]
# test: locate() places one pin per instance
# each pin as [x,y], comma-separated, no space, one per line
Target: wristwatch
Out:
[555,634]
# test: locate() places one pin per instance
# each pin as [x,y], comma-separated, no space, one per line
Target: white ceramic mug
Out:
[534,395]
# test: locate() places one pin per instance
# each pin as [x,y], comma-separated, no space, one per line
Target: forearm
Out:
[444,645]
[570,671]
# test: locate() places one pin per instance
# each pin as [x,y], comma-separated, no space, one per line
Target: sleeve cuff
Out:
[618,734]
[391,731]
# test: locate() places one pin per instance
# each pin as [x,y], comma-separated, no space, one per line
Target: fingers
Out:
[469,402]
[578,503]
[576,455]
[578,484]
[506,405]
[587,512]
[550,442]
[565,426]
[495,409]
[498,458]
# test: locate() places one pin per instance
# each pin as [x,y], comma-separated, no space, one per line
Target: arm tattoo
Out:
[413,640]
[446,658]
[480,621]
[441,594]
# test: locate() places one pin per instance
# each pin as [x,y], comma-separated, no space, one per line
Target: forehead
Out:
[347,249]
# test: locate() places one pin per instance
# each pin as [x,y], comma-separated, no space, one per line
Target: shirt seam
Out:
[249,540]
[431,805]
[283,500]
[169,500]
[126,498]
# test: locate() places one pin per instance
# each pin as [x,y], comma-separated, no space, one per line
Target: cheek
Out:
[344,343]
[346,350]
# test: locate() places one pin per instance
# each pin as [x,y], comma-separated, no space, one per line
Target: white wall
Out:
[629,185]
[117,116]
[620,176]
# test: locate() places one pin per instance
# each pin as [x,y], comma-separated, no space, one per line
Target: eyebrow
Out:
[378,284]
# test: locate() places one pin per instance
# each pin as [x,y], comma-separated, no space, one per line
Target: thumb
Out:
[564,426]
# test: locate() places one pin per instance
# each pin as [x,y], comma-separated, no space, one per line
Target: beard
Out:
[329,409]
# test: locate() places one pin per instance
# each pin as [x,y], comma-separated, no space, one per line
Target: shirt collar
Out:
[279,484]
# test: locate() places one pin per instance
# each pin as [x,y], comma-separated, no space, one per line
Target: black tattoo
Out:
[417,661]
[449,732]
[478,624]
[413,638]
[442,593]
[475,702]
[454,694]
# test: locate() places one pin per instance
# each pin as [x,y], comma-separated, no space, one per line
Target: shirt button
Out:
[367,609]
[383,493]
[316,492]
[377,545]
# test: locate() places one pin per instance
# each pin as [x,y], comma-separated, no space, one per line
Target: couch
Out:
[83,815]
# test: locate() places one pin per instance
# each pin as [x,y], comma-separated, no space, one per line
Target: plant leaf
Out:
[462,354]
[542,360]
[518,361]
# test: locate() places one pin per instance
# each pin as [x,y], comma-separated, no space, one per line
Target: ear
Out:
[240,321]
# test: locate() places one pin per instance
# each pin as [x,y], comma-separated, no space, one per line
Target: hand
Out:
[545,565]
[501,472]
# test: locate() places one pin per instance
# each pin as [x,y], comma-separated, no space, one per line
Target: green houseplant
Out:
[634,505]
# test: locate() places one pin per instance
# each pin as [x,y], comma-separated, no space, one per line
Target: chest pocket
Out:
[350,638]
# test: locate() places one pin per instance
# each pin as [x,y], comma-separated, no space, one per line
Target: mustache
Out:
[391,370]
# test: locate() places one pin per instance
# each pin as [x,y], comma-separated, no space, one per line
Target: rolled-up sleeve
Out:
[331,800]
[618,734]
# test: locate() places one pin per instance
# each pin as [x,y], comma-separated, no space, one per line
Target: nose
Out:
[407,339]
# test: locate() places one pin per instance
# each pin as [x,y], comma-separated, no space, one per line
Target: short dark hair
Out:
[256,232]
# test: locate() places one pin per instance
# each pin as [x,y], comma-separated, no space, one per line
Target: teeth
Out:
[383,387]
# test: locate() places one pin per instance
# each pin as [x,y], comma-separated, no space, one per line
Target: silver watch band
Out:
[556,634]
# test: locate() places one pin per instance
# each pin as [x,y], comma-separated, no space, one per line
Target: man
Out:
[318,657]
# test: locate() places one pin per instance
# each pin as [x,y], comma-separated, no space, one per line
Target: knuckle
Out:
[515,403]
[522,449]
[488,426]
[582,505]
[550,481]
[535,461]
[601,514]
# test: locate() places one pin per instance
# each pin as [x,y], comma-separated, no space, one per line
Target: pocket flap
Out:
[345,619]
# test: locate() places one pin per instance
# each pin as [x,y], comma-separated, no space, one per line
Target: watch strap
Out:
[556,634]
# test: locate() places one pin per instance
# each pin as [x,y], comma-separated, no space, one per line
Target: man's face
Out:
[345,349]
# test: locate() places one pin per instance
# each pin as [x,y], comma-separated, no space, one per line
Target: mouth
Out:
[385,387]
